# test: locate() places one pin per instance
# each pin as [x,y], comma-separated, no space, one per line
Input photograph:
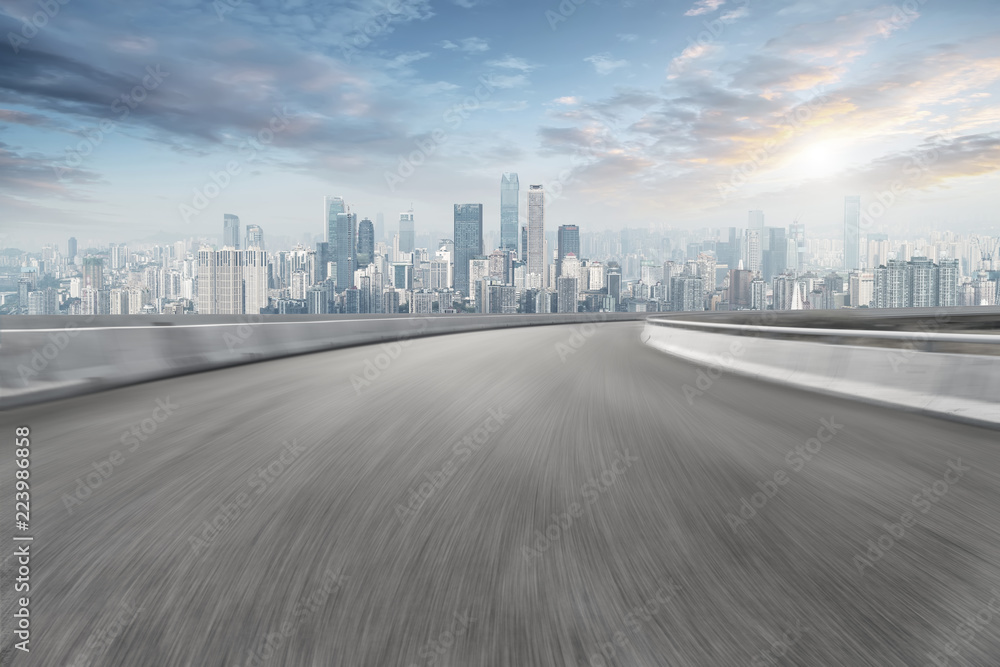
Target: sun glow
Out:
[819,160]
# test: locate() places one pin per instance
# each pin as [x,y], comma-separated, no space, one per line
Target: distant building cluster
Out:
[511,265]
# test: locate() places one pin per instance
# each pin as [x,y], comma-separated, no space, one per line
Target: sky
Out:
[125,120]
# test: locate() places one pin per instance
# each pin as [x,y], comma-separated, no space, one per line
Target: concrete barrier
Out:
[44,358]
[892,368]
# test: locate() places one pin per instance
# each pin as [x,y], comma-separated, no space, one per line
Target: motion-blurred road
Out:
[523,497]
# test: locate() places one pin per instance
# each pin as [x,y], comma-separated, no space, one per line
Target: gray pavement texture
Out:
[527,497]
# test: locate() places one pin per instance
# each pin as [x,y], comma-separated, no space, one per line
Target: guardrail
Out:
[47,357]
[945,373]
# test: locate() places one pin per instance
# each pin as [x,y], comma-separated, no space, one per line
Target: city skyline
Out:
[681,114]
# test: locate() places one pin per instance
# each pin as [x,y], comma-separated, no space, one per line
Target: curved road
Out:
[524,497]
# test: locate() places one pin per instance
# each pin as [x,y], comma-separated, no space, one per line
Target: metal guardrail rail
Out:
[926,340]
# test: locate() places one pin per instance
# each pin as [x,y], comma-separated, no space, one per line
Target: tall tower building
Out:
[255,237]
[332,206]
[406,233]
[536,230]
[509,211]
[568,241]
[756,221]
[366,243]
[852,233]
[345,252]
[71,248]
[93,273]
[468,238]
[231,231]
[254,278]
[220,282]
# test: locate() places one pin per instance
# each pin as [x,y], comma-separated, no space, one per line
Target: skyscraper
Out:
[366,242]
[220,282]
[568,291]
[536,230]
[71,248]
[406,234]
[346,248]
[255,237]
[568,241]
[254,279]
[509,211]
[468,242]
[93,272]
[231,231]
[341,227]
[852,232]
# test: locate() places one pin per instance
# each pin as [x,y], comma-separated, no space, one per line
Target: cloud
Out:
[568,100]
[23,118]
[469,45]
[627,37]
[680,64]
[508,81]
[604,64]
[405,59]
[510,62]
[704,7]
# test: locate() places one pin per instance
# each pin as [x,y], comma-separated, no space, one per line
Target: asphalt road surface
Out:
[524,497]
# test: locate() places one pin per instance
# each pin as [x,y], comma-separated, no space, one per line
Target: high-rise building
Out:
[509,211]
[379,227]
[406,233]
[686,293]
[568,294]
[366,243]
[468,236]
[332,207]
[220,282]
[390,302]
[774,253]
[536,230]
[568,241]
[752,254]
[923,282]
[878,250]
[852,233]
[93,272]
[861,287]
[755,221]
[254,279]
[344,247]
[71,248]
[255,237]
[231,231]
[524,245]
[949,275]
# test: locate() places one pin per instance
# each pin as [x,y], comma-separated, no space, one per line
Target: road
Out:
[524,497]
